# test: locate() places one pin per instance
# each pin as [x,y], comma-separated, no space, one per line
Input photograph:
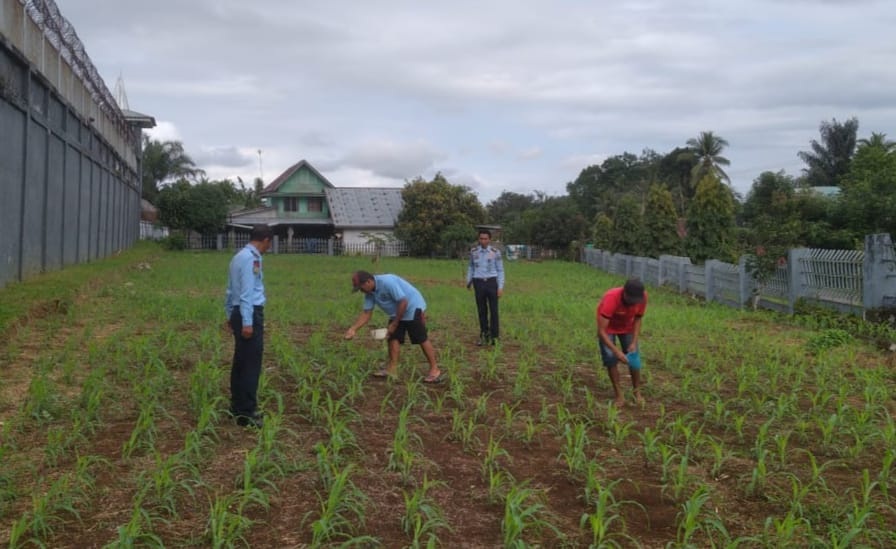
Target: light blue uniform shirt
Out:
[390,289]
[245,283]
[486,263]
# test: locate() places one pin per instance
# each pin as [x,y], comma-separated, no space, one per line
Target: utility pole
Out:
[260,172]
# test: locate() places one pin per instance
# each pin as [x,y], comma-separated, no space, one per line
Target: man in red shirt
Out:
[619,316]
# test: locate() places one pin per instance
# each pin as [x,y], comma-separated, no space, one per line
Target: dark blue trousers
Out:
[246,368]
[487,302]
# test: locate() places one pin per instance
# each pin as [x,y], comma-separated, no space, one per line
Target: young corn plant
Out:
[493,454]
[524,512]
[604,518]
[341,511]
[403,456]
[463,429]
[694,518]
[225,527]
[423,518]
[574,452]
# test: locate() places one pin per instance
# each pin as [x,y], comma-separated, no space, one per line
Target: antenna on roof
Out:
[121,96]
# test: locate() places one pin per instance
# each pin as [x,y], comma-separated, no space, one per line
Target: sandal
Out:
[432,380]
[382,374]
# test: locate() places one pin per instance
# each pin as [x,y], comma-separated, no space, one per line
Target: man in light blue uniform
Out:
[486,276]
[244,306]
[407,314]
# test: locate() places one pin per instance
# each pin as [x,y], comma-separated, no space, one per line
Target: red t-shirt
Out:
[622,316]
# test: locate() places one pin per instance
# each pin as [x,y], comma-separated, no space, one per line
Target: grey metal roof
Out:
[364,207]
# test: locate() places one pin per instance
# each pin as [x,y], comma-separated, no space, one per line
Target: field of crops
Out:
[758,430]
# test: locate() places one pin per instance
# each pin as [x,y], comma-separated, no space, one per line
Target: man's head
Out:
[261,236]
[362,280]
[633,292]
[485,237]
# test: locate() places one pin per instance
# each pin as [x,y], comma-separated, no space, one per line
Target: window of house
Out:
[290,204]
[315,205]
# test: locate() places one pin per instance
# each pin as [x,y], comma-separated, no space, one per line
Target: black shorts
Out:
[416,329]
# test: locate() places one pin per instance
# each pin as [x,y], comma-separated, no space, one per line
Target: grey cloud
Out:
[230,157]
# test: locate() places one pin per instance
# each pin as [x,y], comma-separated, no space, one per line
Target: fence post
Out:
[276,244]
[795,267]
[220,243]
[878,272]
[330,242]
[709,279]
[746,281]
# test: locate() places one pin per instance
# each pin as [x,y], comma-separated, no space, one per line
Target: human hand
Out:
[469,284]
[247,332]
[349,334]
[500,292]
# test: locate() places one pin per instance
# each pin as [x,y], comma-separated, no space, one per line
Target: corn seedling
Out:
[341,511]
[604,518]
[423,518]
[575,446]
[524,511]
[693,518]
[493,452]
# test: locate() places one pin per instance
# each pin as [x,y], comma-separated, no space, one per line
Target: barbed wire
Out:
[61,34]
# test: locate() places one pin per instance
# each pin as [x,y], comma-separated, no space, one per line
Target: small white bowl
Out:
[379,333]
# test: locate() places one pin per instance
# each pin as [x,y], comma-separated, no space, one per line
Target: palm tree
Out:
[829,160]
[165,162]
[878,140]
[706,149]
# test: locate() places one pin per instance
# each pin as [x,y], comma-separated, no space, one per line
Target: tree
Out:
[432,206]
[868,197]
[878,140]
[509,207]
[202,207]
[628,226]
[603,232]
[675,170]
[706,149]
[557,223]
[660,223]
[828,161]
[710,222]
[165,162]
[596,188]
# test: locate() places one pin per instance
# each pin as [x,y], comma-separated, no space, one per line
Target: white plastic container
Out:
[379,333]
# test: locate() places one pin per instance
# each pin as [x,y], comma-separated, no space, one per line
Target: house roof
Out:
[268,215]
[366,207]
[284,177]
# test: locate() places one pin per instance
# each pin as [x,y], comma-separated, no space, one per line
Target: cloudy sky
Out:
[516,95]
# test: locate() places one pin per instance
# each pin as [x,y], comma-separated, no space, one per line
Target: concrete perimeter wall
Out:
[69,163]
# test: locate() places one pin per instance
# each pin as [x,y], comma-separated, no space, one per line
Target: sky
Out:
[504,95]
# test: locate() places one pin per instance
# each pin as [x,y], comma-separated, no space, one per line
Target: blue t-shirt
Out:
[390,290]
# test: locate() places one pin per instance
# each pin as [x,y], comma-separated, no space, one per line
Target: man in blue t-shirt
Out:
[407,314]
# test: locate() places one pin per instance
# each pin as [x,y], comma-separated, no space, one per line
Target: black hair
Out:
[260,233]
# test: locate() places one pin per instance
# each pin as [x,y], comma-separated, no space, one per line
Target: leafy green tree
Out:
[597,188]
[829,159]
[773,224]
[706,150]
[674,170]
[457,239]
[868,194]
[710,222]
[430,207]
[557,223]
[878,140]
[603,232]
[628,226]
[660,223]
[509,207]
[165,162]
[202,207]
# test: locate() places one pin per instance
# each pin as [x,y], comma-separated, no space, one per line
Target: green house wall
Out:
[303,184]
